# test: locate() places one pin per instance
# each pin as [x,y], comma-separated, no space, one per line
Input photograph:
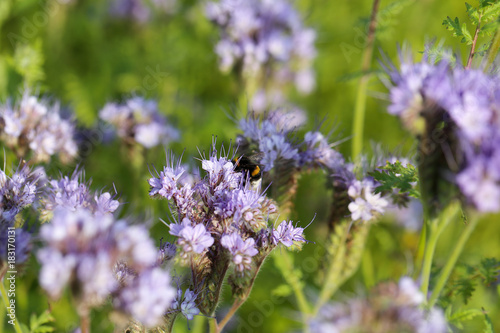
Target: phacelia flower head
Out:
[73,193]
[34,125]
[100,257]
[139,120]
[17,192]
[265,38]
[390,307]
[273,140]
[456,109]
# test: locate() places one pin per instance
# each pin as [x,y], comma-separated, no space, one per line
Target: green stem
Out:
[212,325]
[6,302]
[436,227]
[493,50]
[452,260]
[419,257]
[294,283]
[360,107]
[198,324]
[429,255]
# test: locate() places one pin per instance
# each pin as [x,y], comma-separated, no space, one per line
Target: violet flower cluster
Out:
[467,101]
[266,38]
[34,125]
[73,193]
[90,252]
[275,139]
[138,120]
[390,307]
[17,192]
[221,223]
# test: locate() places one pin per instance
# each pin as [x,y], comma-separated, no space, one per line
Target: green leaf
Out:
[467,35]
[488,325]
[489,269]
[396,176]
[39,324]
[465,287]
[461,316]
[473,13]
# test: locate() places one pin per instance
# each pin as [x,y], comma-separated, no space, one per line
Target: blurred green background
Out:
[81,55]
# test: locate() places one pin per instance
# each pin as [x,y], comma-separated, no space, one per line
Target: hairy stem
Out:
[452,260]
[360,107]
[474,41]
[236,305]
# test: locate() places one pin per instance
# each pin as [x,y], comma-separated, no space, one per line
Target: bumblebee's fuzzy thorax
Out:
[250,169]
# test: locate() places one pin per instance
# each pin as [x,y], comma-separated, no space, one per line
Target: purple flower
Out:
[195,239]
[166,183]
[467,99]
[318,150]
[366,204]
[186,304]
[86,249]
[242,251]
[176,228]
[265,36]
[286,233]
[148,297]
[17,192]
[273,140]
[395,307]
[167,252]
[221,173]
[36,125]
[72,193]
[480,183]
[139,120]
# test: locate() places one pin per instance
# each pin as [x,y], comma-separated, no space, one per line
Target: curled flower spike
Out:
[286,234]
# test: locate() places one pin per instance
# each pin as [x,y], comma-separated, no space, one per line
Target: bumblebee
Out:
[250,167]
